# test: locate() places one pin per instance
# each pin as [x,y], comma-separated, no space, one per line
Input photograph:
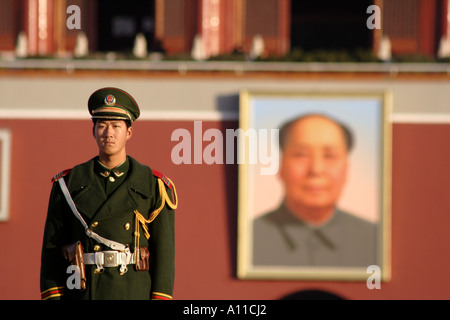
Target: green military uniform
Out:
[130,204]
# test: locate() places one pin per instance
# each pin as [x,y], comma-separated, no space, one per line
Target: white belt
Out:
[110,259]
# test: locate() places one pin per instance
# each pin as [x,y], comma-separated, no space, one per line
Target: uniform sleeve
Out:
[53,266]
[162,231]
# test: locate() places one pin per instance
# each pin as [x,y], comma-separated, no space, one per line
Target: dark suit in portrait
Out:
[280,239]
[308,229]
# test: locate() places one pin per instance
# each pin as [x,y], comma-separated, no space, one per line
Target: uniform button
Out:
[97,247]
[127,226]
[112,179]
[94,224]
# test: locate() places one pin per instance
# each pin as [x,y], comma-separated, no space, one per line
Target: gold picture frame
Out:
[5,173]
[367,189]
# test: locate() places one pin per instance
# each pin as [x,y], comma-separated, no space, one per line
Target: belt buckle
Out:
[111,259]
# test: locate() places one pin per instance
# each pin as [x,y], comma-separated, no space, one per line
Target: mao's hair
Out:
[287,126]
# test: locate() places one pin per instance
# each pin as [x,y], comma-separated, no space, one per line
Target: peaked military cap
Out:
[113,104]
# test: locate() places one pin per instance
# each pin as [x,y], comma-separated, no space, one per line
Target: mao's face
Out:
[314,163]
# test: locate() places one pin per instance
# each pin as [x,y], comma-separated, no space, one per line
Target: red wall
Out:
[206,220]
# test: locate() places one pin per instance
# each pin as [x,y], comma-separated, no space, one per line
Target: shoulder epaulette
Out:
[163,177]
[61,174]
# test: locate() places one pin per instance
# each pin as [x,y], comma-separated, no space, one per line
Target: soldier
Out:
[109,232]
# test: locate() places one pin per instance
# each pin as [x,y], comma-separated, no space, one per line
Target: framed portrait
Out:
[314,185]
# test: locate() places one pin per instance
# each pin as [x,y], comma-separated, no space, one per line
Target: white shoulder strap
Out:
[91,234]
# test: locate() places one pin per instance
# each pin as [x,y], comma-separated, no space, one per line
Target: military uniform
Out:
[131,205]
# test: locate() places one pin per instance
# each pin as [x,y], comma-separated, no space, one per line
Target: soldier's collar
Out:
[138,176]
[118,171]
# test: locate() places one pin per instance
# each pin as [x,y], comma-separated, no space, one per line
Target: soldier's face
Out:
[314,163]
[111,136]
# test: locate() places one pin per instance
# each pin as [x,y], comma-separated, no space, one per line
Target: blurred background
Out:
[188,60]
